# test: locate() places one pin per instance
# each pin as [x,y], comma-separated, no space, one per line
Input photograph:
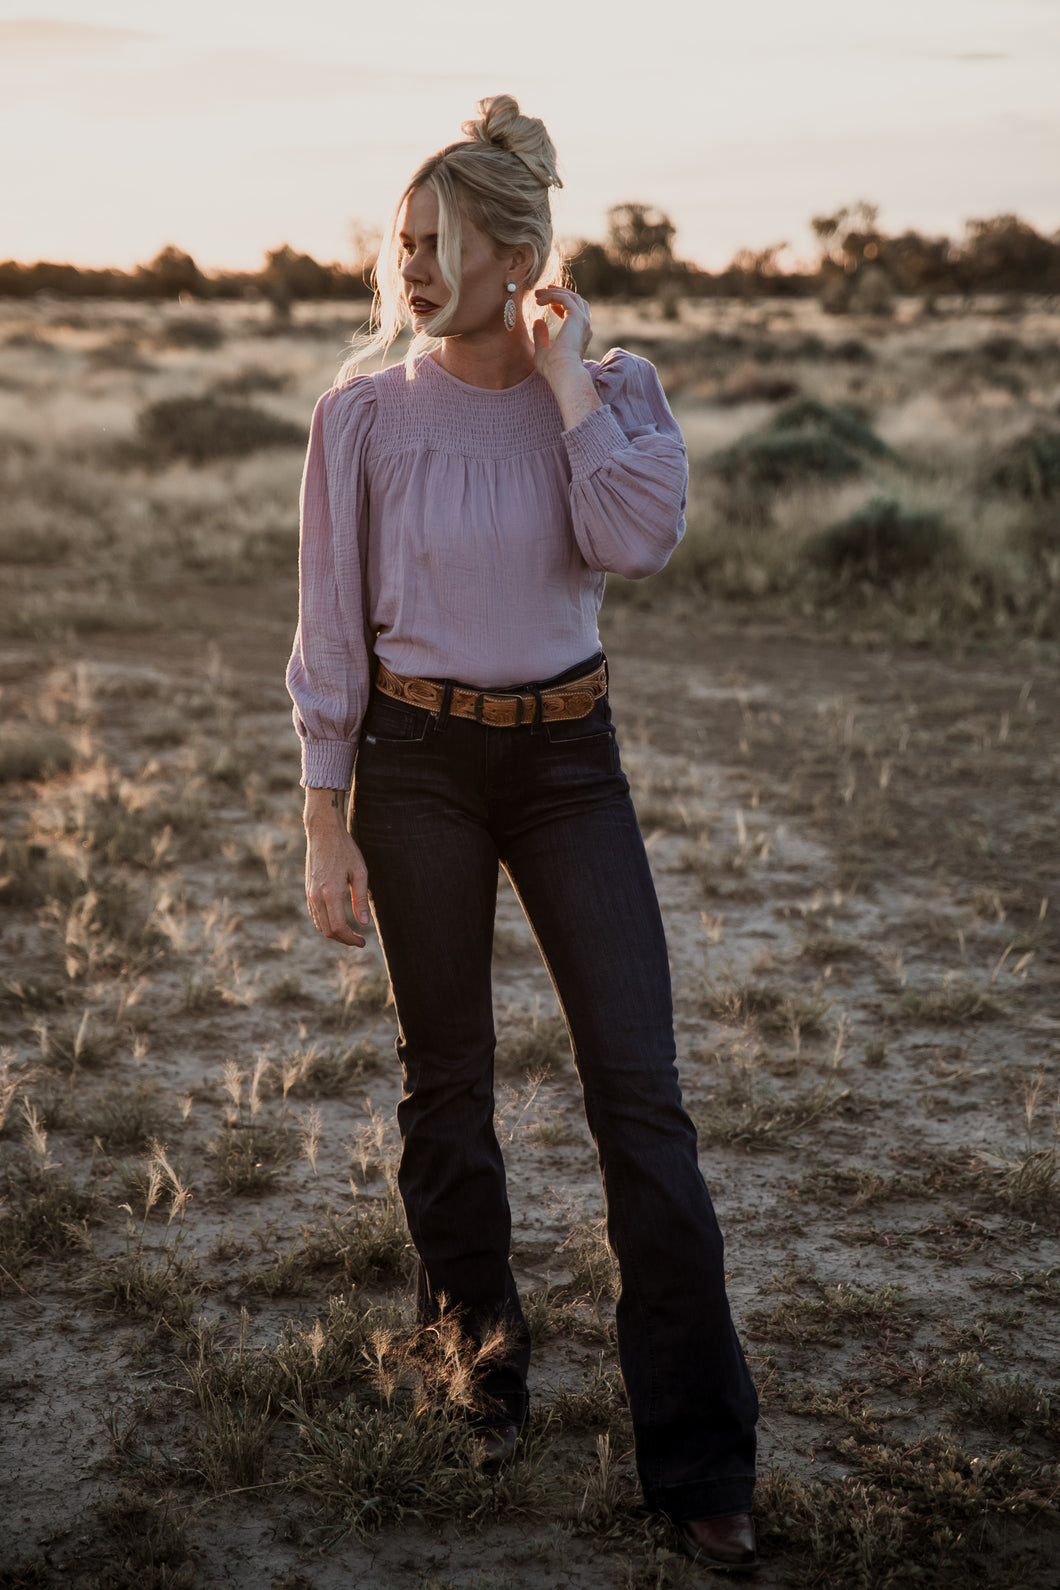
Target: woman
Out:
[459,514]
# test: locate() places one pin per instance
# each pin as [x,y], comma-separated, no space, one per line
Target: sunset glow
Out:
[128,125]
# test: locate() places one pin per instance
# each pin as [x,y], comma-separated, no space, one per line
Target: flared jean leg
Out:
[432,871]
[435,805]
[582,874]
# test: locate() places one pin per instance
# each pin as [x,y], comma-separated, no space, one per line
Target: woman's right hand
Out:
[334,868]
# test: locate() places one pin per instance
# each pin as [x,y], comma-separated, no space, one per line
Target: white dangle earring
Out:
[510,312]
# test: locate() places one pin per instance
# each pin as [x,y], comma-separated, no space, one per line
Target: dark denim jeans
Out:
[438,802]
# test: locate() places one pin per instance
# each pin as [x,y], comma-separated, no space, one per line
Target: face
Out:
[483,272]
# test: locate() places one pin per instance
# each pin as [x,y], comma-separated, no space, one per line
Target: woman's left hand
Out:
[571,342]
[559,359]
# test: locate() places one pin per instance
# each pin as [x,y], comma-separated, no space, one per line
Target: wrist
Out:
[323,806]
[574,391]
[565,367]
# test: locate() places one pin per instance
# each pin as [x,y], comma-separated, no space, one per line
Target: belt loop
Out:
[539,716]
[442,715]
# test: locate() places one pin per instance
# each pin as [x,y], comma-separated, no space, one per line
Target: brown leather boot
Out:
[727,1543]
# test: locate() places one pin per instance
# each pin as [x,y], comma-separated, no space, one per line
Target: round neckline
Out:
[484,391]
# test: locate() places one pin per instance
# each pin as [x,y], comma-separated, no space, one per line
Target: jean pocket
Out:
[596,725]
[390,722]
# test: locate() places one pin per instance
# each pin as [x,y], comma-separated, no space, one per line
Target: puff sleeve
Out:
[328,675]
[629,471]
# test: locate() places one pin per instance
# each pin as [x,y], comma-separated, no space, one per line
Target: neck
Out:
[490,360]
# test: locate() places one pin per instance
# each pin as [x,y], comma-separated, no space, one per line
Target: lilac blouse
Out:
[462,533]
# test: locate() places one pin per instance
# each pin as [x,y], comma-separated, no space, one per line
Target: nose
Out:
[411,270]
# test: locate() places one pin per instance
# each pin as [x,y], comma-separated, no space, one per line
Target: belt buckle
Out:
[499,696]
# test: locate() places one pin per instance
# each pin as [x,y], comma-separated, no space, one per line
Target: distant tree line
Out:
[1001,254]
[636,260]
[285,276]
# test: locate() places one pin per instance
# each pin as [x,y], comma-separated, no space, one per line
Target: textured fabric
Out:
[461,533]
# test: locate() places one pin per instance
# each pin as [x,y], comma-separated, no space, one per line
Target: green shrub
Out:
[882,542]
[762,459]
[842,422]
[806,440]
[1029,467]
[202,428]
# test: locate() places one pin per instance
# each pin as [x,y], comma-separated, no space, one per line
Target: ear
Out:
[519,260]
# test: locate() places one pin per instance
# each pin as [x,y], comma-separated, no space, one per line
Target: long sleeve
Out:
[629,471]
[328,675]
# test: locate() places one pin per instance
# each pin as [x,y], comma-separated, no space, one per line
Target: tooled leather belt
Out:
[498,708]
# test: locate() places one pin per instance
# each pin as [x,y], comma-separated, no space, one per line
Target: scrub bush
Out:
[882,542]
[203,428]
[806,440]
[841,422]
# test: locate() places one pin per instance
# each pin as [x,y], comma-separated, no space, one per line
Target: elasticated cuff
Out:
[593,441]
[327,764]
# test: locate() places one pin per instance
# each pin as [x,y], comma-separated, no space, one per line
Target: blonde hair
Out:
[498,178]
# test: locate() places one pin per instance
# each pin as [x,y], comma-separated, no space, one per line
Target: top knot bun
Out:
[501,124]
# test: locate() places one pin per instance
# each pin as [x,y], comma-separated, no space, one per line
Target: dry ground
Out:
[207,1373]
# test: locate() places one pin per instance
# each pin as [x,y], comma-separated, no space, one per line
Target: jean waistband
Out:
[570,694]
[577,671]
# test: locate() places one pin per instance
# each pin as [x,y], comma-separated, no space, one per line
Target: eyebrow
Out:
[407,237]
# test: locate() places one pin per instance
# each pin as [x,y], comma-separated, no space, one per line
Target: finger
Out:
[558,293]
[564,304]
[327,908]
[542,341]
[339,927]
[358,881]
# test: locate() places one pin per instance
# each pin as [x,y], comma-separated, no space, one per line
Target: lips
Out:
[422,306]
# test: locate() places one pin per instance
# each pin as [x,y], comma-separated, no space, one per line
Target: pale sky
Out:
[230,127]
